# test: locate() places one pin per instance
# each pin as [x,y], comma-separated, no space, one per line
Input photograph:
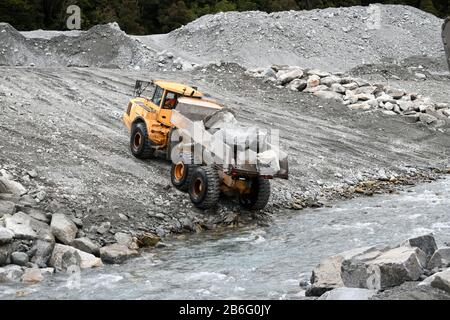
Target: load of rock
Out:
[358,94]
[36,242]
[363,272]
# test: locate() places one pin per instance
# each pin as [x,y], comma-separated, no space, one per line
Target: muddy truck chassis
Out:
[211,153]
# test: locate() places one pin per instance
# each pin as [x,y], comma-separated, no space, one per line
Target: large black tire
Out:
[204,187]
[181,175]
[259,195]
[140,144]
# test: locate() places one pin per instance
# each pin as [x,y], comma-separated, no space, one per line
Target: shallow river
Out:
[260,263]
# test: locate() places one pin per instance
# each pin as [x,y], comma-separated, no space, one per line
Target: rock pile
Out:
[361,273]
[357,93]
[36,241]
[314,38]
[102,46]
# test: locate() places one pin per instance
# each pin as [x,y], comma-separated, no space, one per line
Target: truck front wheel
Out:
[204,187]
[259,195]
[140,145]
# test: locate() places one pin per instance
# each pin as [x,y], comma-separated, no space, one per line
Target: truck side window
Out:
[171,100]
[157,96]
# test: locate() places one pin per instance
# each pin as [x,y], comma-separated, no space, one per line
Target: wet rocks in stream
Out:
[374,270]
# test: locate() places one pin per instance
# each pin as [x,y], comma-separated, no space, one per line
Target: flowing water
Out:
[257,263]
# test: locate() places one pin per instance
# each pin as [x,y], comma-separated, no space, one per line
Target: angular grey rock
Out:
[10,273]
[288,76]
[412,118]
[336,87]
[269,73]
[42,251]
[348,294]
[327,274]
[7,207]
[440,259]
[359,106]
[5,251]
[319,73]
[440,280]
[61,254]
[86,245]
[63,228]
[37,214]
[315,89]
[386,98]
[329,95]
[116,253]
[394,267]
[426,243]
[329,81]
[365,97]
[6,236]
[369,90]
[297,85]
[354,270]
[12,186]
[405,105]
[19,258]
[20,224]
[427,118]
[395,93]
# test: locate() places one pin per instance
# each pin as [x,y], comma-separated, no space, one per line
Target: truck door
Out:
[169,103]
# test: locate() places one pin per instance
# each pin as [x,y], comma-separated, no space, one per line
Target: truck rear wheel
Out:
[181,175]
[259,195]
[204,187]
[140,145]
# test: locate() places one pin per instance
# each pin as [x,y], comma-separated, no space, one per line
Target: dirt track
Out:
[66,124]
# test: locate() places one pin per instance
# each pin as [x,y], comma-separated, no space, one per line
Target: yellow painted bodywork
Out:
[156,118]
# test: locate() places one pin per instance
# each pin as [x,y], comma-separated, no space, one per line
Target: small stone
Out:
[126,239]
[117,253]
[32,173]
[313,81]
[19,258]
[420,76]
[104,227]
[147,239]
[395,93]
[86,245]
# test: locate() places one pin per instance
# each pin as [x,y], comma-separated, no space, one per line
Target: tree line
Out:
[161,16]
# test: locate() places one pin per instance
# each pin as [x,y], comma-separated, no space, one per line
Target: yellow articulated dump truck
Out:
[446,39]
[211,152]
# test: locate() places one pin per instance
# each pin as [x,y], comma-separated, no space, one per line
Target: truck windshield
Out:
[157,96]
